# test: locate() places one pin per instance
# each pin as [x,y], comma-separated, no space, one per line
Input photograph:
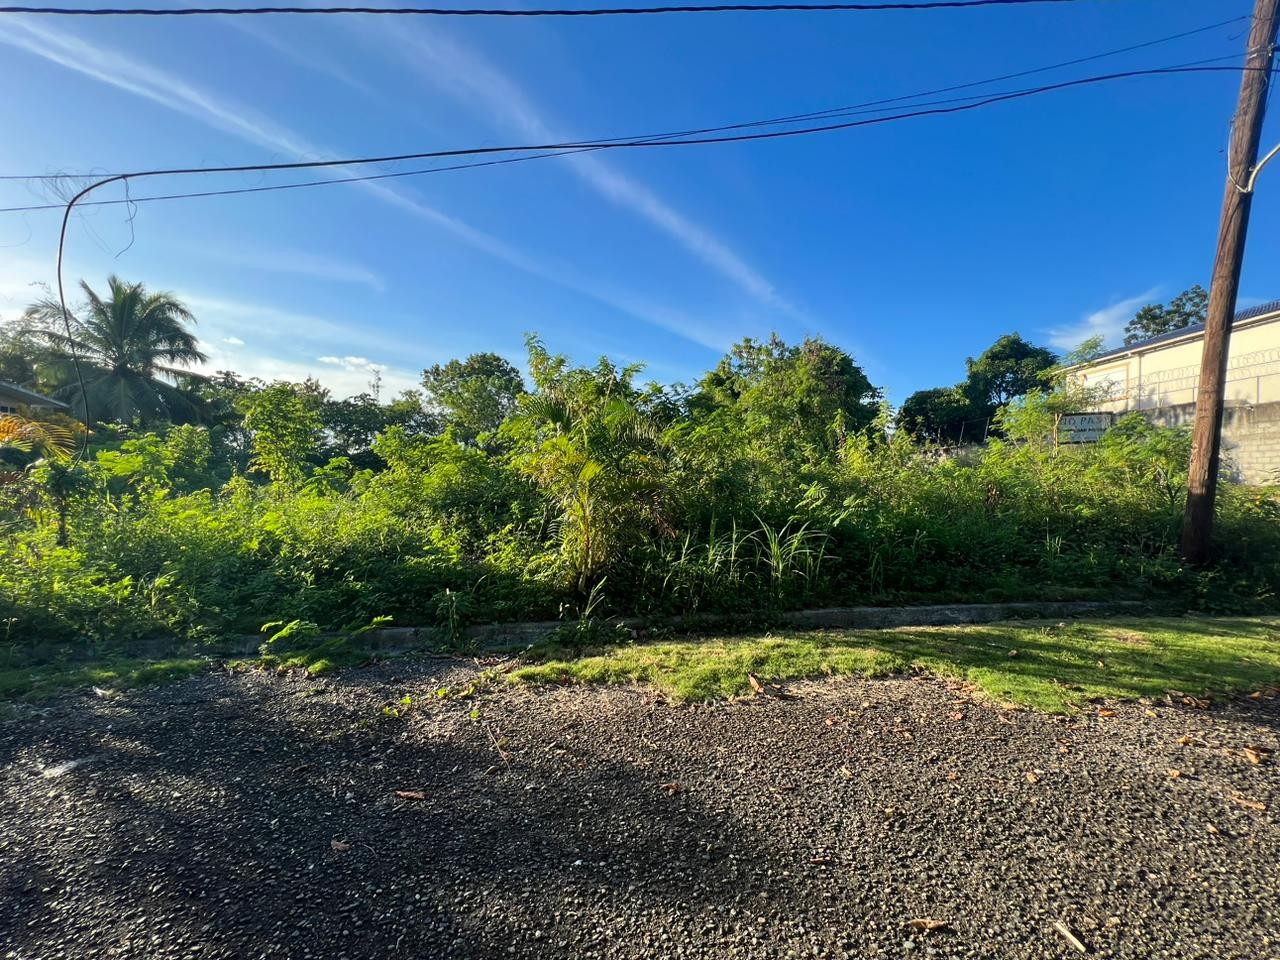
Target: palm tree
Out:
[130,346]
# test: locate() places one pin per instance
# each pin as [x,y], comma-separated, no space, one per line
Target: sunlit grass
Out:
[1046,666]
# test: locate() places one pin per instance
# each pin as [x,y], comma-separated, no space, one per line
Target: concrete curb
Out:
[509,636]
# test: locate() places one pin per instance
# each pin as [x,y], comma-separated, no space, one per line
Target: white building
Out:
[1160,377]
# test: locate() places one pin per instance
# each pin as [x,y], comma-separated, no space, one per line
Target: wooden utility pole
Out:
[1246,131]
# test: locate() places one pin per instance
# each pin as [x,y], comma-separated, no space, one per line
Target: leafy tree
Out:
[17,358]
[1009,368]
[474,395]
[353,423]
[598,458]
[130,345]
[937,414]
[813,394]
[284,422]
[1155,319]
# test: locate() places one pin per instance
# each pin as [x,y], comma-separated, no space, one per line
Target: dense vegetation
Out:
[205,507]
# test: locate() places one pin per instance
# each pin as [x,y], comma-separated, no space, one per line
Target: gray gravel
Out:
[256,816]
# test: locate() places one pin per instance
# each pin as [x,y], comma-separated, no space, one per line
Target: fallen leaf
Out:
[1032,777]
[818,861]
[1004,718]
[958,715]
[1065,932]
[1150,713]
[340,845]
[953,775]
[831,721]
[1106,712]
[1212,829]
[756,685]
[1196,702]
[1248,804]
[1256,695]
[411,794]
[928,924]
[906,735]
[1173,774]
[671,787]
[1013,653]
[1183,740]
[1255,754]
[846,773]
[1063,748]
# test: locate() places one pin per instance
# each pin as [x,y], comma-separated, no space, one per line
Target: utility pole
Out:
[1246,131]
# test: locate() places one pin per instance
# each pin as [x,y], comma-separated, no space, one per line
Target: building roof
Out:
[1188,332]
[27,398]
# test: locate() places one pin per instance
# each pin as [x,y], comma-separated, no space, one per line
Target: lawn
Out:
[28,678]
[1055,667]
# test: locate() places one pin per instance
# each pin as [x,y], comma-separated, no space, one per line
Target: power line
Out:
[819,114]
[666,141]
[647,140]
[515,12]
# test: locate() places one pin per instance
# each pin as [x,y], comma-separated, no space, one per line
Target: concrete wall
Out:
[1250,438]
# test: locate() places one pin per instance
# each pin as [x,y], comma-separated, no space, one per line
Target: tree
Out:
[1155,319]
[938,414]
[474,395]
[130,347]
[284,421]
[814,393]
[1009,368]
[353,423]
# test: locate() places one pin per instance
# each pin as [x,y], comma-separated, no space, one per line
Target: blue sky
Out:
[912,245]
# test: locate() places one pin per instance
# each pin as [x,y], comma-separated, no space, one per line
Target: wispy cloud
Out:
[296,262]
[168,90]
[474,80]
[293,50]
[233,341]
[1109,322]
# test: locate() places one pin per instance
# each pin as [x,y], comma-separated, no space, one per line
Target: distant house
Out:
[13,398]
[1159,378]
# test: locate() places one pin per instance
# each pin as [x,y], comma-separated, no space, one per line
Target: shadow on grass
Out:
[1046,666]
[35,673]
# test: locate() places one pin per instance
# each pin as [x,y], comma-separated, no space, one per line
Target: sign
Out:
[1083,427]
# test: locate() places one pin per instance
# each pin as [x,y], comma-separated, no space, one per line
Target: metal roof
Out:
[1250,313]
[27,398]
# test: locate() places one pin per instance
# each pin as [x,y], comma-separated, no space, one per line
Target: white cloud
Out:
[1109,322]
[352,363]
[340,381]
[168,90]
[233,341]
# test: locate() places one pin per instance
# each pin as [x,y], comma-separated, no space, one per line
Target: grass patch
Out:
[1053,667]
[37,680]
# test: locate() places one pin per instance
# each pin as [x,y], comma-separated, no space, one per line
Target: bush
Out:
[735,498]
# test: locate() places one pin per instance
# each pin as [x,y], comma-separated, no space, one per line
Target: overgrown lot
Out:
[775,483]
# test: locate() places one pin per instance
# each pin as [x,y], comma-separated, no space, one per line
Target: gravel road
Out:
[245,816]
